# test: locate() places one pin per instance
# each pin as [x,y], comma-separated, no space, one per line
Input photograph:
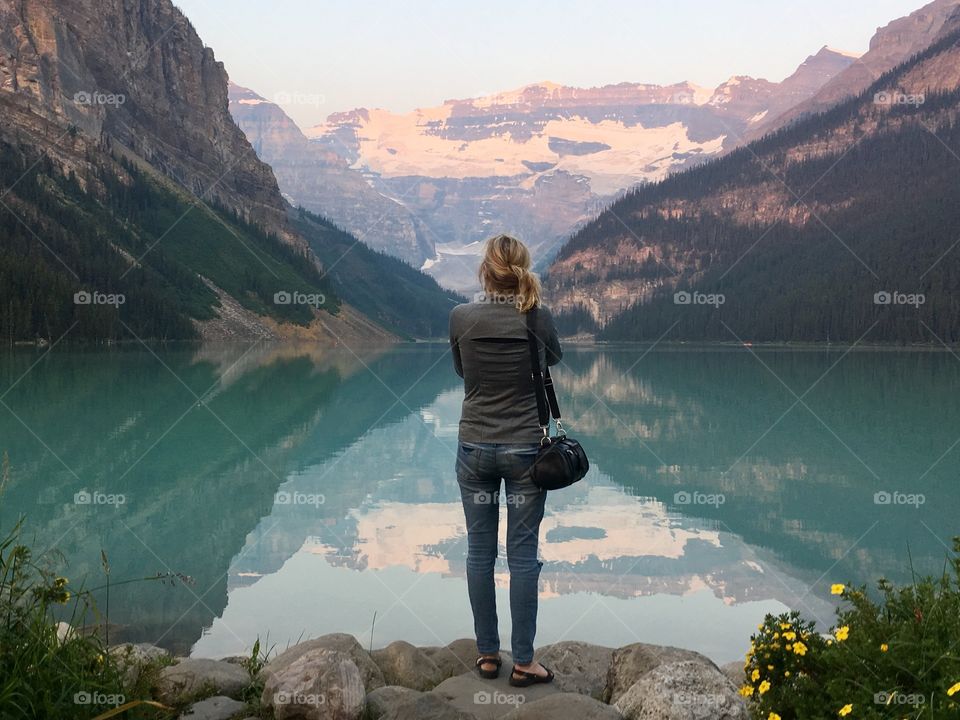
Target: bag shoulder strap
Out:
[542,382]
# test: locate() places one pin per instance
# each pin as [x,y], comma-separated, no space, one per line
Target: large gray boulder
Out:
[579,667]
[215,708]
[336,642]
[320,684]
[734,672]
[197,678]
[456,658]
[684,690]
[403,664]
[426,706]
[564,706]
[384,698]
[631,662]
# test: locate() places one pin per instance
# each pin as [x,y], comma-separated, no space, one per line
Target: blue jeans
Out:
[480,468]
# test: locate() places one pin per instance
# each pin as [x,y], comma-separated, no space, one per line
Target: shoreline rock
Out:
[200,678]
[404,664]
[333,678]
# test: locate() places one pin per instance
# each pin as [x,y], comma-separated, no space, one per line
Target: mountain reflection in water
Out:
[310,489]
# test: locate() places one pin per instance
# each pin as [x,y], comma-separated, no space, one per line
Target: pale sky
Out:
[333,55]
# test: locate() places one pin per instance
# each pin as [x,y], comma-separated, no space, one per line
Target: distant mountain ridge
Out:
[538,161]
[584,131]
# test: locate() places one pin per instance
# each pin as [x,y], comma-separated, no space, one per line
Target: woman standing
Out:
[498,440]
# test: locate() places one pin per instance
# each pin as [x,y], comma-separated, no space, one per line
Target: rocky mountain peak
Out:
[891,45]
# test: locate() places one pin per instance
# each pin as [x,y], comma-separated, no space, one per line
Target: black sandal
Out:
[528,678]
[489,660]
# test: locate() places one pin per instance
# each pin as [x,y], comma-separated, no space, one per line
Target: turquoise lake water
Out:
[307,491]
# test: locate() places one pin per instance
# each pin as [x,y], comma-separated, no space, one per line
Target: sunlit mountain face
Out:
[313,491]
[430,185]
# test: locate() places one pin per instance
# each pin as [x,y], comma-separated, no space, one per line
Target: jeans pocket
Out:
[519,461]
[468,460]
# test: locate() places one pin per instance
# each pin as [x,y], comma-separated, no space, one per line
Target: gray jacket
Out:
[488,341]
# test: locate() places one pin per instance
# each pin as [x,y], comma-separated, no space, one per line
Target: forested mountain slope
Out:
[843,224]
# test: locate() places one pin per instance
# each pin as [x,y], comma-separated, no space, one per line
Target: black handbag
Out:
[561,460]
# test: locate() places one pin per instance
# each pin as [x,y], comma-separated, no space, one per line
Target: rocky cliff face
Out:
[891,45]
[132,77]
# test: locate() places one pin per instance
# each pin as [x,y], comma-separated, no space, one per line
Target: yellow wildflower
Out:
[755,675]
[837,589]
[746,691]
[799,648]
[784,626]
[954,689]
[786,673]
[845,710]
[884,647]
[773,716]
[790,635]
[842,633]
[764,686]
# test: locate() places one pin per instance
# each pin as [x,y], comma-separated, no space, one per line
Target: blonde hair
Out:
[505,271]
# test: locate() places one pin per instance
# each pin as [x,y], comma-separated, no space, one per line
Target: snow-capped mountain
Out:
[537,161]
